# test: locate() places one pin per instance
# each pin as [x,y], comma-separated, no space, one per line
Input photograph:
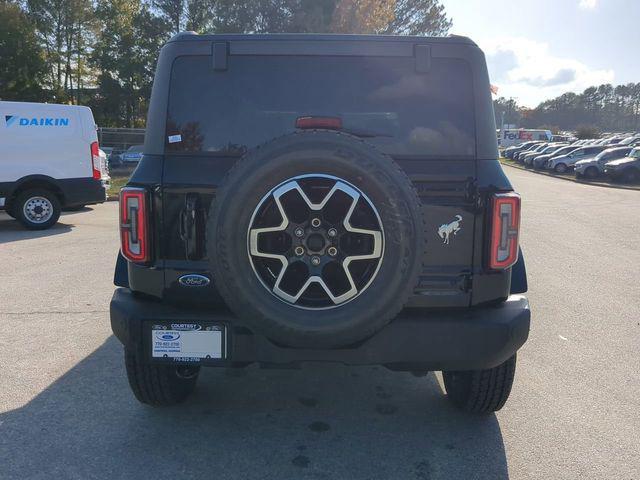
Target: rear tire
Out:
[159,385]
[481,391]
[560,168]
[37,209]
[591,172]
[632,175]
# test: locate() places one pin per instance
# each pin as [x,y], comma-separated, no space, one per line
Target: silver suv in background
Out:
[594,167]
[540,162]
[564,163]
[548,150]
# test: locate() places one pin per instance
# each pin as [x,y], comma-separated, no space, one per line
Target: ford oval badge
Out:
[194,280]
[166,336]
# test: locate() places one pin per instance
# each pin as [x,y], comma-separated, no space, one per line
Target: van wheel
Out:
[159,385]
[560,168]
[37,209]
[481,391]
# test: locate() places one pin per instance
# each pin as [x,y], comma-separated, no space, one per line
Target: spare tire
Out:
[315,239]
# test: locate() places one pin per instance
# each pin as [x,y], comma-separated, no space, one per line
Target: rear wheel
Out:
[37,209]
[632,175]
[560,168]
[159,385]
[591,172]
[481,391]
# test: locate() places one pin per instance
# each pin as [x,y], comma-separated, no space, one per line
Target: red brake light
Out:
[95,161]
[505,229]
[134,231]
[330,123]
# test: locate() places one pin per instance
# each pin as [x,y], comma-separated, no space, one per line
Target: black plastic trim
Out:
[121,275]
[463,339]
[519,275]
[71,191]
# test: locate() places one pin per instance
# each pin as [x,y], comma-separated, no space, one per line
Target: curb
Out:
[573,179]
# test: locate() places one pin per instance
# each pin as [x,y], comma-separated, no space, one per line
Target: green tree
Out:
[587,131]
[65,31]
[196,15]
[402,17]
[22,65]
[419,17]
[125,53]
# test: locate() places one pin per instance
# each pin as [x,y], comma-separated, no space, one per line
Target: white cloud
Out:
[531,72]
[588,4]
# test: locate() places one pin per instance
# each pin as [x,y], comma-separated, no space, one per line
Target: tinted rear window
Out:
[258,98]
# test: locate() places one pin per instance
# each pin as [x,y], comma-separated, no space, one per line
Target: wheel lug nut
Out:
[332,232]
[299,251]
[315,261]
[315,222]
[333,251]
[298,232]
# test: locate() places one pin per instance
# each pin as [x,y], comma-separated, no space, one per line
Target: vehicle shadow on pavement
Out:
[332,422]
[13,231]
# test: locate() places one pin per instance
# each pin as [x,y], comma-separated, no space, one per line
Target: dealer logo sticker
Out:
[167,336]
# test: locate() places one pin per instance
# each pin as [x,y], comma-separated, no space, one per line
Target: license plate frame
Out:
[188,342]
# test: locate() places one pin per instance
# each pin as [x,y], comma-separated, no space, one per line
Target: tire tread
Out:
[156,385]
[482,391]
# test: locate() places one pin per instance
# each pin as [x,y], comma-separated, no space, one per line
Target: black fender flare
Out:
[519,275]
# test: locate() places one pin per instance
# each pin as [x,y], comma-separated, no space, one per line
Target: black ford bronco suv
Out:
[320,198]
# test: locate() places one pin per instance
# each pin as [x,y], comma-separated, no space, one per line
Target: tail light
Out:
[505,228]
[95,161]
[134,229]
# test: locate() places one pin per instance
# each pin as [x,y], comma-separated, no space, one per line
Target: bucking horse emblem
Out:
[446,229]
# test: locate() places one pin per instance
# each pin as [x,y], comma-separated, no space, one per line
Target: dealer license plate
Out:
[180,342]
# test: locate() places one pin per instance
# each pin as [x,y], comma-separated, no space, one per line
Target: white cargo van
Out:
[49,161]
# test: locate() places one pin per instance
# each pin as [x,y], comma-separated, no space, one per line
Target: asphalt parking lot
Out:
[66,410]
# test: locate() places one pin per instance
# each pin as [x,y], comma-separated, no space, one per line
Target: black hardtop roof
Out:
[194,37]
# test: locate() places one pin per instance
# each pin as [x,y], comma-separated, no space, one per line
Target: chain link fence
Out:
[120,139]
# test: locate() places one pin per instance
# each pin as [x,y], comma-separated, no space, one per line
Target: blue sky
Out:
[538,49]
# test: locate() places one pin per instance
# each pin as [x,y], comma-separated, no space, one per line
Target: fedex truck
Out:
[49,160]
[515,136]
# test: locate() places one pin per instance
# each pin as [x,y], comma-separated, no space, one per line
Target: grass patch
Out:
[119,178]
[116,184]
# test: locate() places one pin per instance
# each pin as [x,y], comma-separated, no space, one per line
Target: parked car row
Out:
[130,156]
[617,157]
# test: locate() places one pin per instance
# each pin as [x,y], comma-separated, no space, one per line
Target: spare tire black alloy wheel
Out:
[315,242]
[315,239]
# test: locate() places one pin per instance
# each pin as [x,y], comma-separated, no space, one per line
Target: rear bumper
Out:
[468,339]
[83,191]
